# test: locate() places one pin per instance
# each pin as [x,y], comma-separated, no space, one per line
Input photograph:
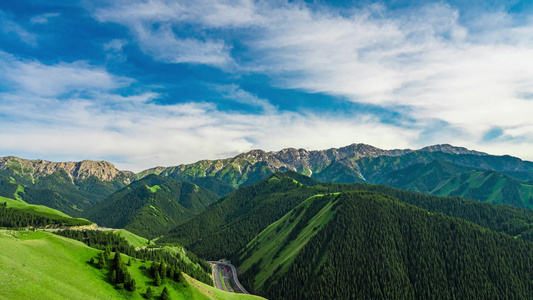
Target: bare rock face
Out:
[77,171]
[447,148]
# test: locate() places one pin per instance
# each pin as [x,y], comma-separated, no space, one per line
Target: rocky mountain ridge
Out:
[37,168]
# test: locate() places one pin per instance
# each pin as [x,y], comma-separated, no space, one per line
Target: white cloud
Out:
[235,93]
[9,26]
[456,81]
[144,134]
[53,80]
[43,18]
[151,22]
[114,49]
[163,45]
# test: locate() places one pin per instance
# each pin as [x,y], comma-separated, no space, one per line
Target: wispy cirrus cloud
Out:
[151,22]
[8,26]
[44,18]
[34,77]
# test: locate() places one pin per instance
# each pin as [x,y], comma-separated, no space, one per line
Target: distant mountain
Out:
[446,179]
[366,164]
[150,206]
[75,187]
[365,245]
[70,187]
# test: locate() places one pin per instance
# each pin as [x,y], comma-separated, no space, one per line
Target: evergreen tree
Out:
[149,293]
[157,279]
[114,276]
[165,295]
[101,261]
[131,285]
[171,272]
[117,260]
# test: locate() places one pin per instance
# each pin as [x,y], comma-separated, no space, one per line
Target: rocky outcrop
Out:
[77,171]
[331,163]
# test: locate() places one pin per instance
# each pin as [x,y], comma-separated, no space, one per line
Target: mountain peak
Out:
[447,148]
[36,168]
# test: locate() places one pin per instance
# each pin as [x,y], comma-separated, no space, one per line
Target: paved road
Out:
[229,281]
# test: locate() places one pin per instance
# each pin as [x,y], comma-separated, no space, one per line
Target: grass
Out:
[40,265]
[133,239]
[20,189]
[40,208]
[154,188]
[270,242]
[222,281]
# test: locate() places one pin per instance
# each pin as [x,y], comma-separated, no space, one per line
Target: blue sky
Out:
[146,83]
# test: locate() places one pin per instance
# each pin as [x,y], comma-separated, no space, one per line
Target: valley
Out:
[287,235]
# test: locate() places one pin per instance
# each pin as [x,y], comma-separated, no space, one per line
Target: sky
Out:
[161,83]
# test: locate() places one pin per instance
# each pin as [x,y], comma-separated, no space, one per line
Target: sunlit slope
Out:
[274,249]
[376,247]
[40,265]
[20,204]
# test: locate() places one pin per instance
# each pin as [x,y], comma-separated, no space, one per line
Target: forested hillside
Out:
[227,226]
[446,179]
[151,206]
[374,246]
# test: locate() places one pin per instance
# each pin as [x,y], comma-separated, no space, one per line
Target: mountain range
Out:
[297,224]
[74,187]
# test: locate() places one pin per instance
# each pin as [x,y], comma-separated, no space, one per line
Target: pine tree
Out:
[132,284]
[165,295]
[157,279]
[101,261]
[117,260]
[149,293]
[171,272]
[114,277]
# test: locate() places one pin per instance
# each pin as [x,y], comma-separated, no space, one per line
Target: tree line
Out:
[21,218]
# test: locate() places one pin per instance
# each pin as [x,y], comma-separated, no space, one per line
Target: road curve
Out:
[235,284]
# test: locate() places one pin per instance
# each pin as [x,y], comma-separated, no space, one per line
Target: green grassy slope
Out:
[487,186]
[132,238]
[39,265]
[19,204]
[274,249]
[227,225]
[446,179]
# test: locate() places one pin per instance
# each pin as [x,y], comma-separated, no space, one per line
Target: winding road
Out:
[225,277]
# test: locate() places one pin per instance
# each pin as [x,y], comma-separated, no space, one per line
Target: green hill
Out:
[446,179]
[15,213]
[228,225]
[20,204]
[365,245]
[40,265]
[150,206]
